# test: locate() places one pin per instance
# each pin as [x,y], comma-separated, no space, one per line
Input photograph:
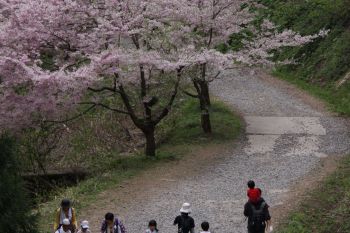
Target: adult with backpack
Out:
[112,225]
[258,216]
[66,211]
[184,222]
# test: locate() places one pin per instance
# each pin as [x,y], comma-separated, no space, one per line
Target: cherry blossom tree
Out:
[116,49]
[30,95]
[103,47]
[205,24]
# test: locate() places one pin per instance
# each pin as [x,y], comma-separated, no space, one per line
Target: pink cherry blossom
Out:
[93,42]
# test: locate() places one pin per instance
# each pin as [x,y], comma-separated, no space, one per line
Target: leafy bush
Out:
[15,215]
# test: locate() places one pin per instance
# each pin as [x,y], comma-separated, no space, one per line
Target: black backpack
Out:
[258,221]
[185,225]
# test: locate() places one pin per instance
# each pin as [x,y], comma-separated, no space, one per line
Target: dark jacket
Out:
[180,222]
[117,226]
[248,212]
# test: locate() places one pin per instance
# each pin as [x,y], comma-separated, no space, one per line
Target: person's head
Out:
[109,217]
[251,184]
[185,209]
[84,226]
[66,224]
[65,204]
[152,225]
[205,226]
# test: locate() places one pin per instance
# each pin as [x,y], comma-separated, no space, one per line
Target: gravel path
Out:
[285,140]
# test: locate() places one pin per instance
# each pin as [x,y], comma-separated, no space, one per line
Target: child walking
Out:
[205,227]
[84,227]
[152,227]
[254,194]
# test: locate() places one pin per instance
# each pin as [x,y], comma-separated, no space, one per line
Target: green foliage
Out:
[48,61]
[15,214]
[324,60]
[328,207]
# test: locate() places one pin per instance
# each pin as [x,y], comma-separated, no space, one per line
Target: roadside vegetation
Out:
[14,202]
[323,67]
[337,99]
[327,207]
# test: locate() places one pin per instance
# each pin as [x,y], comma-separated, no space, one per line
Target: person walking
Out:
[184,222]
[65,227]
[152,227]
[84,227]
[112,224]
[65,212]
[258,216]
[254,194]
[205,227]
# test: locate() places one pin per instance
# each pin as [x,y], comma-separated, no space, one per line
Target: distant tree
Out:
[16,210]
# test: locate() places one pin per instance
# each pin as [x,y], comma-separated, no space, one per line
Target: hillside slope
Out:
[325,62]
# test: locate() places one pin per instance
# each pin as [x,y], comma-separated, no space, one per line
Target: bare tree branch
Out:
[167,108]
[190,94]
[127,104]
[75,117]
[106,106]
[102,89]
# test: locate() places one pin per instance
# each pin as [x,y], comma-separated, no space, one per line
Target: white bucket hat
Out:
[85,224]
[66,222]
[186,208]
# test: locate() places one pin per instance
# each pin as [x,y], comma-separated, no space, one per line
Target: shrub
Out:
[16,210]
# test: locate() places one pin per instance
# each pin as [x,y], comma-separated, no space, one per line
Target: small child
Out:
[152,227]
[254,194]
[84,227]
[205,227]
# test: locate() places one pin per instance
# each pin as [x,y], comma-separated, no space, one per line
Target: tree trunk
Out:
[202,89]
[205,92]
[150,149]
[205,115]
[203,84]
[205,121]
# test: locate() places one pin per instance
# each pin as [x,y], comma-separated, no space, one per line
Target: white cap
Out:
[85,224]
[186,208]
[66,222]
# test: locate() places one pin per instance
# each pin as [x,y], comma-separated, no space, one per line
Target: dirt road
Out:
[287,134]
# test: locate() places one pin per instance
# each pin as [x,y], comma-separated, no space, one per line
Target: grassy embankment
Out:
[323,63]
[338,100]
[326,209]
[181,133]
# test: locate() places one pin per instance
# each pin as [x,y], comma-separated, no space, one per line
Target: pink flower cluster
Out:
[115,37]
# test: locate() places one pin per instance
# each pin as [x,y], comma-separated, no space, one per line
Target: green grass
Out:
[337,100]
[180,132]
[328,207]
[183,127]
[326,59]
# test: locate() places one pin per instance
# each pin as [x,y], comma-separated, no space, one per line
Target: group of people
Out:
[256,210]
